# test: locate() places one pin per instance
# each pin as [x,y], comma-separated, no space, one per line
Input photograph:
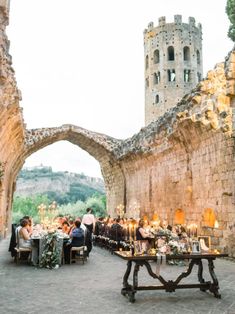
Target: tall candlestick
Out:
[130,232]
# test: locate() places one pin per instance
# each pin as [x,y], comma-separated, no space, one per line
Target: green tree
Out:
[78,191]
[98,205]
[23,206]
[230,10]
[74,210]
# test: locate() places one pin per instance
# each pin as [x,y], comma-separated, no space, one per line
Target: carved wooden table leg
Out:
[126,286]
[200,274]
[132,292]
[214,287]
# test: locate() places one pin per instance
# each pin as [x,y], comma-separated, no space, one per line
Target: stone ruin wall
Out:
[184,160]
[11,121]
[203,178]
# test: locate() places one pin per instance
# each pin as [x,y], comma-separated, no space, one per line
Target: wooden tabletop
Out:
[126,255]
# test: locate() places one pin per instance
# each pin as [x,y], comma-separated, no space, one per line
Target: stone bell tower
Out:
[173,64]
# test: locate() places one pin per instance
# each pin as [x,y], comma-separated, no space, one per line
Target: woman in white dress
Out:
[24,235]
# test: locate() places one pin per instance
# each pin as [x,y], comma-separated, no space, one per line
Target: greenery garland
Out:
[51,255]
[1,170]
[230,10]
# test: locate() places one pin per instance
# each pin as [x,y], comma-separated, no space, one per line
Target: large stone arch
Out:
[98,145]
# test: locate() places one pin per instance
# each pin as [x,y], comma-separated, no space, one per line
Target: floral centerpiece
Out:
[51,254]
[169,242]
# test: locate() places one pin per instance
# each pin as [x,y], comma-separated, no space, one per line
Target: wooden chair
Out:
[21,250]
[79,254]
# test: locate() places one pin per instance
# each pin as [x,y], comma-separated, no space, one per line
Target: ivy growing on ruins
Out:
[1,170]
[230,10]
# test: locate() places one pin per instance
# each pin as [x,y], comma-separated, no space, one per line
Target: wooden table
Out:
[169,285]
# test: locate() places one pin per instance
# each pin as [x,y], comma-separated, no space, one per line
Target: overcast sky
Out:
[81,62]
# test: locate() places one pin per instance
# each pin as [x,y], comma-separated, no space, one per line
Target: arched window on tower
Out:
[147,82]
[146,62]
[156,99]
[198,57]
[156,78]
[156,56]
[186,53]
[187,76]
[171,75]
[199,77]
[171,53]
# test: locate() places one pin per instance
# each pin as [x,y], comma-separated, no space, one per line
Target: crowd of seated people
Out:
[111,232]
[114,234]
[79,231]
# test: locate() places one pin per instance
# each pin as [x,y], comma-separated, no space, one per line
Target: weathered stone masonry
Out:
[184,160]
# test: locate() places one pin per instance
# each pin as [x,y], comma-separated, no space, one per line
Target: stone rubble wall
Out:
[185,159]
[11,121]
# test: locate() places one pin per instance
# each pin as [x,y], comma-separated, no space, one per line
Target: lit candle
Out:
[193,230]
[189,233]
[130,232]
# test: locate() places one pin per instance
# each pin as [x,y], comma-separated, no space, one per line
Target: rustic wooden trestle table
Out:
[169,285]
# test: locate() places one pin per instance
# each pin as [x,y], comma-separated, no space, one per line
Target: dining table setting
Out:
[47,246]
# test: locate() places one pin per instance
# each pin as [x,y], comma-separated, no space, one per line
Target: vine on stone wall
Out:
[1,170]
[230,10]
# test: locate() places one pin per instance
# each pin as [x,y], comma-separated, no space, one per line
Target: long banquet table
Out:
[169,285]
[40,243]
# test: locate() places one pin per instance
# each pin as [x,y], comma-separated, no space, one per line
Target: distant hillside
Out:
[63,187]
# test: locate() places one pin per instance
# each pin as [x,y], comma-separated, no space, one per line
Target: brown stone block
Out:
[218,233]
[214,241]
[207,231]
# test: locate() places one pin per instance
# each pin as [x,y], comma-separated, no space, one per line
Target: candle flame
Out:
[216,225]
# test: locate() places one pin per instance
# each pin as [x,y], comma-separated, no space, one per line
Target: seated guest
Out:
[116,232]
[97,226]
[24,241]
[77,234]
[101,226]
[23,235]
[30,226]
[143,236]
[77,239]
[71,223]
[141,233]
[66,227]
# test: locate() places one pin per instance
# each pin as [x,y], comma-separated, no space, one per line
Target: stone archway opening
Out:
[100,146]
[48,178]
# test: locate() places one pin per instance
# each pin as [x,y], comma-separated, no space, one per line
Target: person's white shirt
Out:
[89,219]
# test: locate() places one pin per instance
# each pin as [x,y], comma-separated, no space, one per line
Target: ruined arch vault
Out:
[99,146]
[185,159]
